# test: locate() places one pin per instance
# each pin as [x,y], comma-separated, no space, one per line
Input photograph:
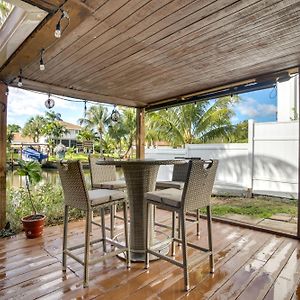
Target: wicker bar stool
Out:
[179,176]
[195,195]
[77,196]
[105,177]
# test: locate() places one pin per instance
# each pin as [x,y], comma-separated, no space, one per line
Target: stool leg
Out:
[65,238]
[210,246]
[147,235]
[184,251]
[173,232]
[198,222]
[87,248]
[179,230]
[103,229]
[128,255]
[112,221]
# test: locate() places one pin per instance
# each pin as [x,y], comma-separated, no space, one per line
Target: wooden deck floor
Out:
[249,265]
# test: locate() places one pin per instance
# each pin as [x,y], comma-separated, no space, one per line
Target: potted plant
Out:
[33,224]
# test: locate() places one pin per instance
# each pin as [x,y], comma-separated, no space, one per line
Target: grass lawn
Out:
[257,207]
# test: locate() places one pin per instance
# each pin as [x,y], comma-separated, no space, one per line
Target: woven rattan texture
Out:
[199,184]
[73,185]
[180,172]
[102,173]
[139,181]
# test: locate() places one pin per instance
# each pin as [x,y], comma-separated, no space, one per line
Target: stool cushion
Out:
[102,196]
[170,197]
[111,185]
[170,184]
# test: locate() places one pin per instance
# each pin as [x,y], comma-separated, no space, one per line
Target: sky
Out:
[259,105]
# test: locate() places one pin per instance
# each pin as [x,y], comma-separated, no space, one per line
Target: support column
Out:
[3,125]
[298,100]
[140,133]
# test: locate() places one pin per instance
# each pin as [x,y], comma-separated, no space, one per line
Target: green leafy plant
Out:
[33,174]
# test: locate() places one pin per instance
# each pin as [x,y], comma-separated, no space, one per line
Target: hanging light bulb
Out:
[115,115]
[57,32]
[49,103]
[42,65]
[20,83]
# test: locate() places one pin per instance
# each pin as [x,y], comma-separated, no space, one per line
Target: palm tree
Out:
[86,134]
[34,128]
[11,130]
[97,118]
[194,123]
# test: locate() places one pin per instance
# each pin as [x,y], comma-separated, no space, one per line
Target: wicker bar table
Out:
[140,176]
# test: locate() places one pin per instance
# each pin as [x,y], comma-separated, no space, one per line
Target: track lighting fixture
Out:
[58,30]
[20,83]
[42,64]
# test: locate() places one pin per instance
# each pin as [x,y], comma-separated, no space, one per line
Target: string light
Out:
[58,30]
[84,109]
[42,65]
[20,83]
[49,103]
[115,115]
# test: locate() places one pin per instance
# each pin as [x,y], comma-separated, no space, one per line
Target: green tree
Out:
[86,134]
[97,118]
[54,130]
[194,123]
[11,130]
[33,128]
[240,133]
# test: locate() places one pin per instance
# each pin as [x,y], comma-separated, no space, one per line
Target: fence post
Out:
[250,156]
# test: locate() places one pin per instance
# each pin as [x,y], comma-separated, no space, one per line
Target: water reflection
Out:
[49,176]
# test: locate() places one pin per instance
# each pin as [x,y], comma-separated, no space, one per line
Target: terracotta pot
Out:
[33,225]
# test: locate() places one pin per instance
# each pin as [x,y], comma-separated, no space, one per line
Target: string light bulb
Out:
[42,64]
[20,83]
[115,115]
[49,103]
[58,31]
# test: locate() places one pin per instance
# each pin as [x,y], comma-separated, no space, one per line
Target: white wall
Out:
[287,99]
[267,164]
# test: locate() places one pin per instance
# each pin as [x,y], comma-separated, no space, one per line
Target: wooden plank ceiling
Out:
[139,52]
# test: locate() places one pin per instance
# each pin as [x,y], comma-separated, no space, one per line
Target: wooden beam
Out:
[71,92]
[3,125]
[140,133]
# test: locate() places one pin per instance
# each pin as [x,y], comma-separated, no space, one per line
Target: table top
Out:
[146,161]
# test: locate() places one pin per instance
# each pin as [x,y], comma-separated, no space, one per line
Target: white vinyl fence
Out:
[266,165]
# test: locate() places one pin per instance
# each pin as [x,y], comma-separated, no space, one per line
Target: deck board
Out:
[249,265]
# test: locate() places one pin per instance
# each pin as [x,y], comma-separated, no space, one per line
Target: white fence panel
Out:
[275,168]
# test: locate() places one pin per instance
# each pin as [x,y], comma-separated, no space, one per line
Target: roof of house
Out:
[18,138]
[70,125]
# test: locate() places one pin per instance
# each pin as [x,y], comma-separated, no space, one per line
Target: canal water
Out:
[49,176]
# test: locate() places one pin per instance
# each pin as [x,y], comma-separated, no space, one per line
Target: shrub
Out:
[48,199]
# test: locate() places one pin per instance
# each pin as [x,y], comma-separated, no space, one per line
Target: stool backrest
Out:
[199,184]
[73,184]
[100,173]
[180,171]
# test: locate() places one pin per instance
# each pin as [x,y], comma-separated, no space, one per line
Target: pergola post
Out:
[298,219]
[140,133]
[3,125]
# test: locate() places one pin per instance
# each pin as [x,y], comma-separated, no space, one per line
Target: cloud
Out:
[251,108]
[24,104]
